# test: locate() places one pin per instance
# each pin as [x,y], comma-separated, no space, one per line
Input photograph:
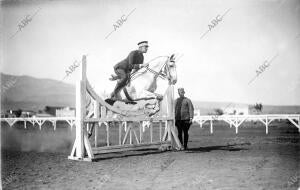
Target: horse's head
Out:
[162,66]
[169,70]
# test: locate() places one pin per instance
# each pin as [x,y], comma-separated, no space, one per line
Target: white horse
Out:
[152,81]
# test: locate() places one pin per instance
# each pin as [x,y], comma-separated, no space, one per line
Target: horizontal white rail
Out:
[222,117]
[39,120]
[237,120]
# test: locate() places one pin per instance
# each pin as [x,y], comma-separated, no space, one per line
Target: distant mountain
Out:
[31,93]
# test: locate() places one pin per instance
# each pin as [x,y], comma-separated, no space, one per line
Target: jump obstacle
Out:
[104,114]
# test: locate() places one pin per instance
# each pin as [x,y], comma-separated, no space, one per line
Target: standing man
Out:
[123,69]
[184,113]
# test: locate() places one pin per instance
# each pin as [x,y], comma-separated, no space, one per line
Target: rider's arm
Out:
[137,64]
[131,59]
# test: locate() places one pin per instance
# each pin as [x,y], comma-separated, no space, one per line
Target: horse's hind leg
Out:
[91,129]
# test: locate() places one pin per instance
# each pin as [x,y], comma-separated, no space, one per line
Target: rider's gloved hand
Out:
[128,79]
[145,65]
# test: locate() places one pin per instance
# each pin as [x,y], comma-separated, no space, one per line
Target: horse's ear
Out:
[172,57]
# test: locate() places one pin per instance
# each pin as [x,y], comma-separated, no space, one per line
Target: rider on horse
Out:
[123,69]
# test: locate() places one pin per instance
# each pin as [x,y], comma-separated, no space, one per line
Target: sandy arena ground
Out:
[224,160]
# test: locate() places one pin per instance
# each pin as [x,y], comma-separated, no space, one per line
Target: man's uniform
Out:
[184,110]
[124,68]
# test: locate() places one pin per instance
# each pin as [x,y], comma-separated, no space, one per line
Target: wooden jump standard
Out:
[104,113]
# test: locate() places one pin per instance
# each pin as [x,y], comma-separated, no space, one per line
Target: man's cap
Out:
[181,89]
[143,43]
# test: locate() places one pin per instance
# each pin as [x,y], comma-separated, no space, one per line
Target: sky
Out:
[215,64]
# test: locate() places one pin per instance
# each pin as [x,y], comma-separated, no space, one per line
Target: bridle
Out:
[156,74]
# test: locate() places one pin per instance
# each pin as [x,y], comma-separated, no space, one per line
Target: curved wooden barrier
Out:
[106,105]
[104,114]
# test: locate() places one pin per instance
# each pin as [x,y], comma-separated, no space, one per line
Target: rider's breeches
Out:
[123,78]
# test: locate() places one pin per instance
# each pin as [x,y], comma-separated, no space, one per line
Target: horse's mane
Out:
[152,63]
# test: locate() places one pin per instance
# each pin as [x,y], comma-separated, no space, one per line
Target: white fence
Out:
[237,120]
[232,120]
[38,120]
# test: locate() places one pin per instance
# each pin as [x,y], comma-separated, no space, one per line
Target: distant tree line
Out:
[258,107]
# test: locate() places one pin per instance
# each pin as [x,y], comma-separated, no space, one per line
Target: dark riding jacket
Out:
[132,61]
[184,109]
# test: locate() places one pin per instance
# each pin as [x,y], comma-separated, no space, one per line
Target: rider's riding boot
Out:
[113,96]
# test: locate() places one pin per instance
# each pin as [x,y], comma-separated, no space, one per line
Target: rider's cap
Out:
[181,89]
[143,43]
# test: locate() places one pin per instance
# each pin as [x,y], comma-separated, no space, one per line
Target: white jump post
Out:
[267,125]
[82,149]
[81,143]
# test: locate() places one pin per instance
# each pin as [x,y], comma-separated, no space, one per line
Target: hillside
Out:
[31,93]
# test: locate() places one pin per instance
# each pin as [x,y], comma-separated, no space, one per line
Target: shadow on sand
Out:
[144,152]
[141,152]
[222,147]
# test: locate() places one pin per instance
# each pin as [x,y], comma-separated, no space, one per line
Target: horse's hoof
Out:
[160,97]
[165,148]
[179,148]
